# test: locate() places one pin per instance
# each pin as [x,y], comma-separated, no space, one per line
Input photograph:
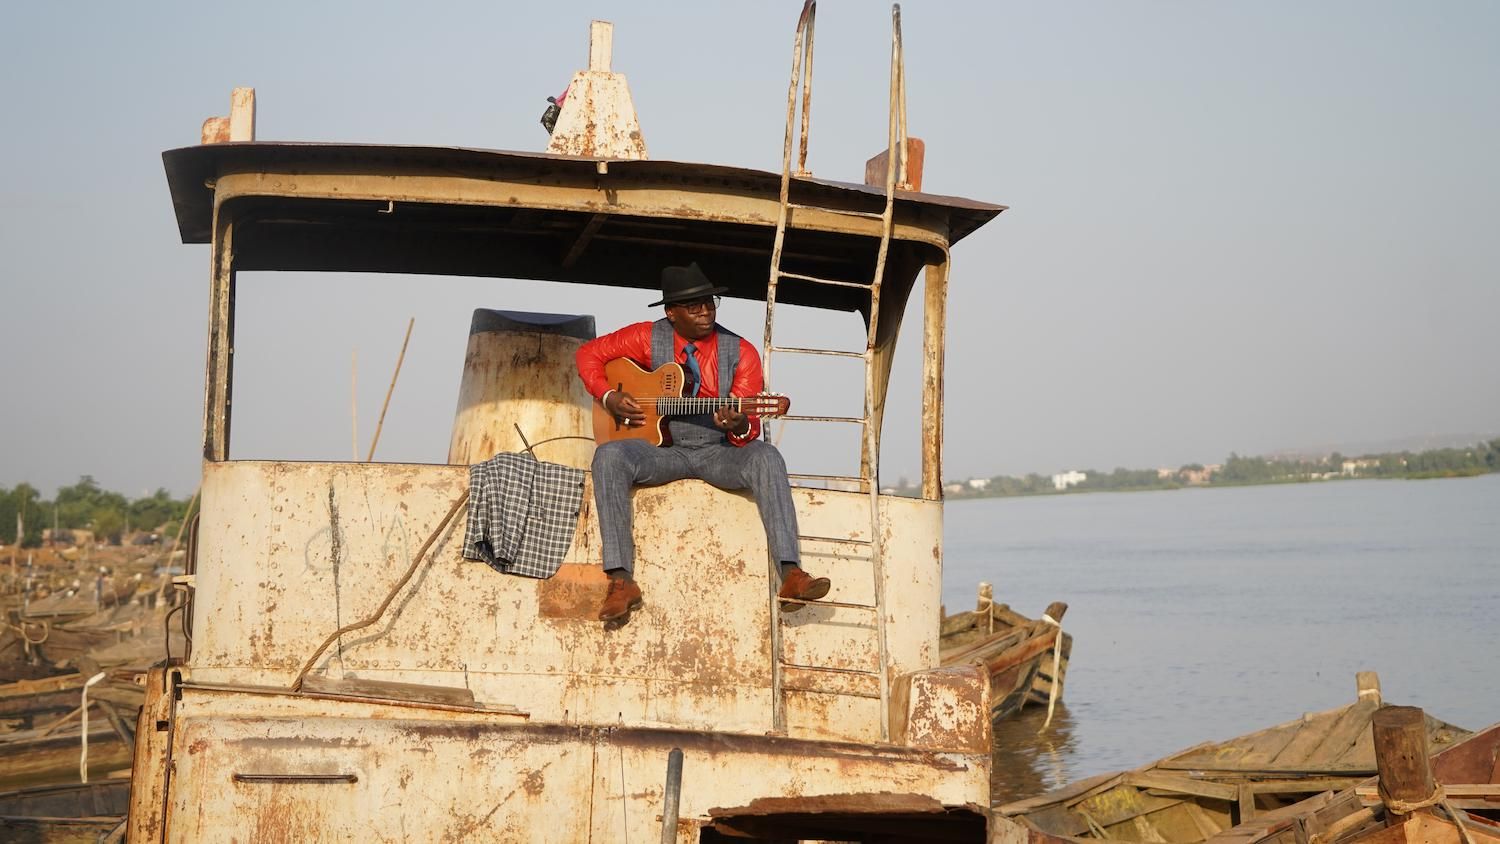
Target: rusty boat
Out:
[349,675]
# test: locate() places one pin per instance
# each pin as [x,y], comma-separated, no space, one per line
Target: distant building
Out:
[1351,468]
[1163,474]
[1199,476]
[979,483]
[1067,479]
[954,488]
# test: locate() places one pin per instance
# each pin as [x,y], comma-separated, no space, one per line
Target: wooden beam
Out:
[1401,757]
[1182,785]
[581,242]
[1247,803]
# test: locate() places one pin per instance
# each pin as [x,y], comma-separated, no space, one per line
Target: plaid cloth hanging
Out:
[522,514]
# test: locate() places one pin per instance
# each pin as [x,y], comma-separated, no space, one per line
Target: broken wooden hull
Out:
[1468,770]
[82,813]
[33,759]
[1204,791]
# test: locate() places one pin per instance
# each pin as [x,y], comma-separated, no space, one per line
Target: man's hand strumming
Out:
[624,407]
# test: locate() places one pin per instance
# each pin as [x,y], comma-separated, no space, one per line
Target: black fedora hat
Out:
[683,284]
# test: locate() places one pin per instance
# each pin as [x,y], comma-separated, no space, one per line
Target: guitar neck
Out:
[674,406]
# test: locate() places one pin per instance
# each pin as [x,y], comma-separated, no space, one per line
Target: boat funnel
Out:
[521,388]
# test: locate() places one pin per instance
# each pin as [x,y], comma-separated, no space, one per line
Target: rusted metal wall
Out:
[253,766]
[289,552]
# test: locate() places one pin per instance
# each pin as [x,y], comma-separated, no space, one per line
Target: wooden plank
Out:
[1476,791]
[1231,755]
[1476,759]
[1303,785]
[1067,794]
[581,242]
[1361,753]
[1182,785]
[1123,803]
[1355,720]
[1303,744]
[1057,820]
[1207,825]
[1177,823]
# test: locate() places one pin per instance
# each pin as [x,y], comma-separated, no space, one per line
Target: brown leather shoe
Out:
[623,597]
[801,586]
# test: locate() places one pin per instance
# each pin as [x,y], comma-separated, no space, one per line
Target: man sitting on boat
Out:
[722,448]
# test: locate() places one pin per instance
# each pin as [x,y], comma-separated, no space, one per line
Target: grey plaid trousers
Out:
[756,466]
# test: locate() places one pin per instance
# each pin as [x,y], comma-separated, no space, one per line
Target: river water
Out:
[1203,614]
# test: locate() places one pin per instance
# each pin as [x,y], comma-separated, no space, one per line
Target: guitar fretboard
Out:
[674,406]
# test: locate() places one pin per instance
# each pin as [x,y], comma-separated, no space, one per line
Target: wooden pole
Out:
[1400,734]
[394,375]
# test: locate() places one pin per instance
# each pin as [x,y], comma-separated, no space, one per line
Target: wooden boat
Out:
[1468,771]
[48,757]
[1200,792]
[17,661]
[42,742]
[1020,654]
[26,702]
[83,812]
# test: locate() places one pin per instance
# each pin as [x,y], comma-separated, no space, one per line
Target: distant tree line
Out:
[110,516]
[1478,459]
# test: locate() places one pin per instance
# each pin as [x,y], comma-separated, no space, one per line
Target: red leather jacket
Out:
[634,342]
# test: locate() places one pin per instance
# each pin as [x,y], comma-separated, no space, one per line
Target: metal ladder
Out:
[802,55]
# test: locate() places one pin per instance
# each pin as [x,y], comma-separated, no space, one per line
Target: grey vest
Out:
[699,429]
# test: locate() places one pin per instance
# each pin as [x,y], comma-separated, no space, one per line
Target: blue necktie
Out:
[695,375]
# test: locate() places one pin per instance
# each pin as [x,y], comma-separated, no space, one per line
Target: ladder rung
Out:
[810,538]
[841,478]
[855,420]
[829,669]
[820,603]
[810,690]
[815,280]
[869,215]
[800,350]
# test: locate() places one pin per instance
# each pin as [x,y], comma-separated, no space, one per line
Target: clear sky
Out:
[1234,226]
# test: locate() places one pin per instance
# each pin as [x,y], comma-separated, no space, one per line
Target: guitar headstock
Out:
[765,404]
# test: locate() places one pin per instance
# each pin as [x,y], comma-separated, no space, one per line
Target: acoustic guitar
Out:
[659,393]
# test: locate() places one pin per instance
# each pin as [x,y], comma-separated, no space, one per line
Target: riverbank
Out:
[1479,459]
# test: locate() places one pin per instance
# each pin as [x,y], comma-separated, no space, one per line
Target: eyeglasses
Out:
[707,303]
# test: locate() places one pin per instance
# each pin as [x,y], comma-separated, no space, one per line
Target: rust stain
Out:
[575,592]
[534,783]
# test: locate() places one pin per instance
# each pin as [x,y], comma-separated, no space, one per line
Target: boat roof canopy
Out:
[471,212]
